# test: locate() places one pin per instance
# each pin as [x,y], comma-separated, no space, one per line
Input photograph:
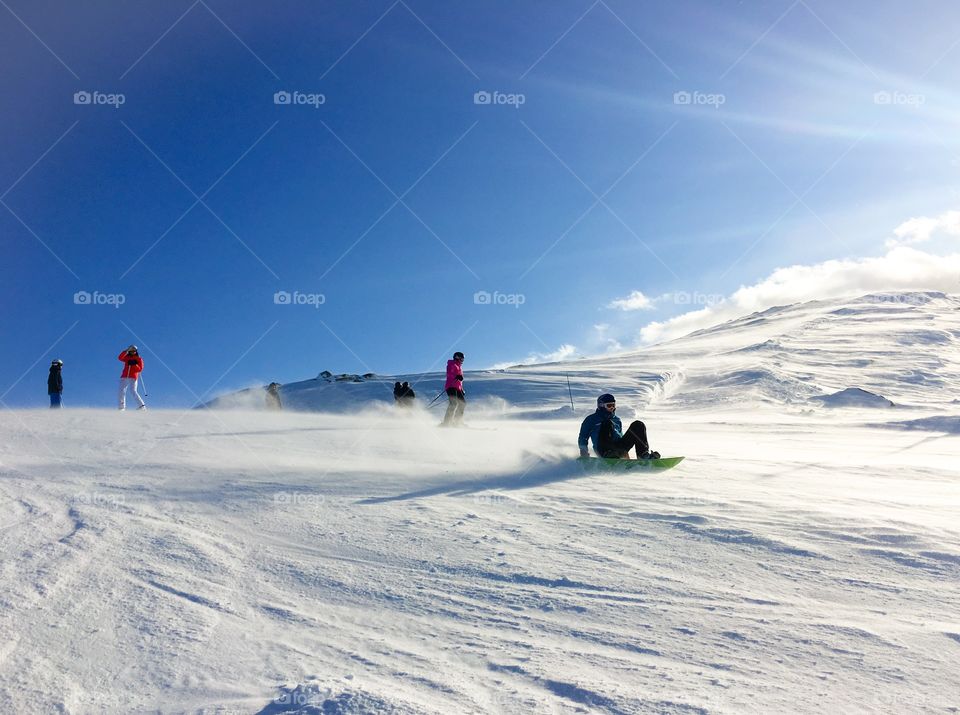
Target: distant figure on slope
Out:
[605,430]
[273,396]
[132,367]
[397,391]
[407,395]
[55,384]
[455,394]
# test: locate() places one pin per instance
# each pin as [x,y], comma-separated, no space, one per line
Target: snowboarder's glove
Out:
[459,378]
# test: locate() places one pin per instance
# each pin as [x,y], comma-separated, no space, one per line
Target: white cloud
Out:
[635,301]
[902,268]
[922,228]
[565,351]
[602,342]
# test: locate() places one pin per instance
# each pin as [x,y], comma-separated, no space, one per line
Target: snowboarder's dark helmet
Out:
[604,399]
[458,356]
[58,363]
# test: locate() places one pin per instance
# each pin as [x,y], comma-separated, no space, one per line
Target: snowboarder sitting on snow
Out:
[55,384]
[604,428]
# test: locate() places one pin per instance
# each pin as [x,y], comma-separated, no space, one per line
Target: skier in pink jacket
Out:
[454,388]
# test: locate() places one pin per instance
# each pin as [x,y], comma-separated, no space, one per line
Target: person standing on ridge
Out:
[132,367]
[407,395]
[55,384]
[273,396]
[605,430]
[455,395]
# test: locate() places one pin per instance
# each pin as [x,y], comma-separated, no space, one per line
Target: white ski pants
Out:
[126,382]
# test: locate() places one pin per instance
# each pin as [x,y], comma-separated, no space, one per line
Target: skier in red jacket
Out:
[132,367]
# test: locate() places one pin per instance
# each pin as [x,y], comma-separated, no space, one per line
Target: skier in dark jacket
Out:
[273,396]
[605,430]
[407,395]
[55,384]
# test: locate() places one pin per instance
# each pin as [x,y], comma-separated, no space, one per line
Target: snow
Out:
[355,559]
[943,423]
[853,397]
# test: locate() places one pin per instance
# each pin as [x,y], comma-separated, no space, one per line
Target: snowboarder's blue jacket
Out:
[590,428]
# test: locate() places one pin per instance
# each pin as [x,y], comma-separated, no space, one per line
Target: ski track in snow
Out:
[801,559]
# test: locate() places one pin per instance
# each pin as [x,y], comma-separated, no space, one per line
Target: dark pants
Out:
[635,436]
[55,402]
[458,402]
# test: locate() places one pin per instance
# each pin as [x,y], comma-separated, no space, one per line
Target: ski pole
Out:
[145,393]
[572,409]
[435,399]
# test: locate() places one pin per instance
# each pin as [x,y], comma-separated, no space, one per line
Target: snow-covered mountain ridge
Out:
[902,346]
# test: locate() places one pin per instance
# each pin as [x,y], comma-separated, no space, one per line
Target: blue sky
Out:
[664,148]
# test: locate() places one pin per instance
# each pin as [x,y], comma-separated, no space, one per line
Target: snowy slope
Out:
[803,558]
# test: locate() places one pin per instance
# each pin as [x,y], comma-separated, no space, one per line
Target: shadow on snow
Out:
[541,472]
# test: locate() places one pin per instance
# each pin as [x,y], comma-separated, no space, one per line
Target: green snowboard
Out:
[600,464]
